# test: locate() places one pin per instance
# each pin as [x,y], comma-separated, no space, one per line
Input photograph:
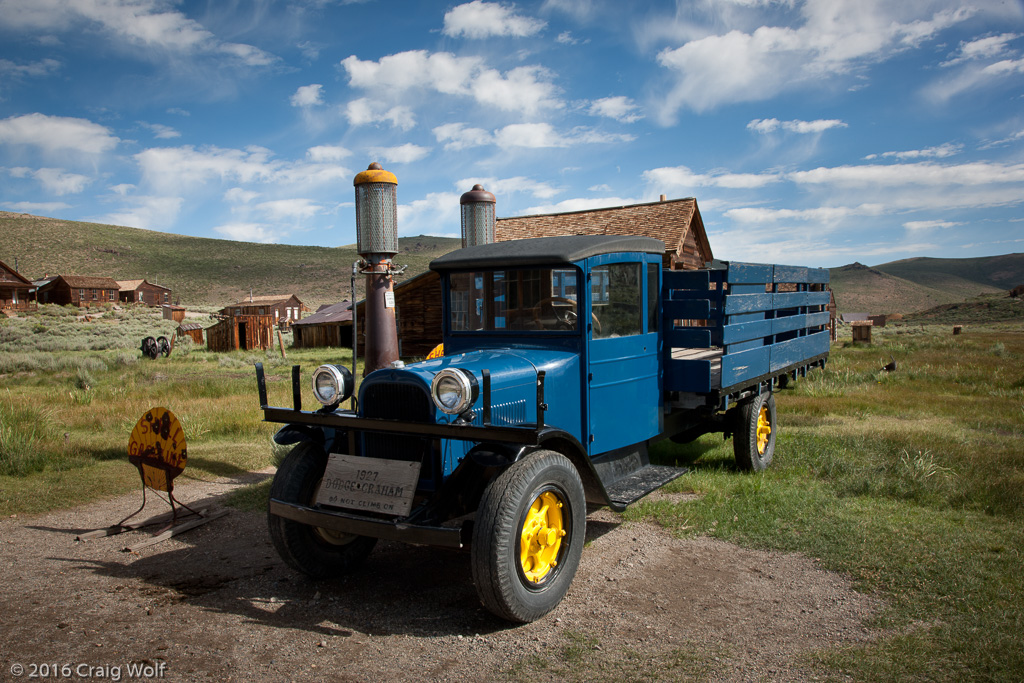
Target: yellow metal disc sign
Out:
[157,447]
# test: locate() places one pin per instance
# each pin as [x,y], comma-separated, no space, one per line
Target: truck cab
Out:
[558,373]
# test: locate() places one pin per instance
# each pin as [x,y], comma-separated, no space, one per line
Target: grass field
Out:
[910,482]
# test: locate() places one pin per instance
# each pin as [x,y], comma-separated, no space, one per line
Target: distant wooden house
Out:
[143,292]
[17,293]
[330,325]
[172,312]
[194,331]
[78,290]
[285,308]
[677,223]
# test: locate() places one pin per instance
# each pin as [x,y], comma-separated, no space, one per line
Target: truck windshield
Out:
[534,299]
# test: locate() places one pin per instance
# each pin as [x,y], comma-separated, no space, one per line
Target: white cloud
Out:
[682,179]
[566,38]
[237,195]
[308,95]
[327,153]
[436,214]
[942,151]
[147,212]
[600,188]
[122,189]
[923,173]
[364,111]
[620,108]
[794,126]
[981,48]
[36,207]
[289,209]
[142,23]
[249,232]
[402,154]
[508,186]
[160,131]
[820,214]
[525,89]
[12,70]
[833,37]
[456,136]
[59,182]
[929,225]
[579,204]
[55,134]
[484,19]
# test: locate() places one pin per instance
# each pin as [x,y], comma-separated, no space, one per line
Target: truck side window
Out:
[617,300]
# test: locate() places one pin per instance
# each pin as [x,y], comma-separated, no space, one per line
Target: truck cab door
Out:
[624,355]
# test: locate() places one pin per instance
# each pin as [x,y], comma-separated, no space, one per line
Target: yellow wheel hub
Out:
[541,536]
[764,430]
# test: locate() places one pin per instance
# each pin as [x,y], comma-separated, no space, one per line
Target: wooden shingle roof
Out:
[88,282]
[671,221]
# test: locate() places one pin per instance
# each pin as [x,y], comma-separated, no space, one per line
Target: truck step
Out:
[637,485]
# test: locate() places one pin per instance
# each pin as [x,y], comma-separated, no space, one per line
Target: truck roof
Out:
[543,251]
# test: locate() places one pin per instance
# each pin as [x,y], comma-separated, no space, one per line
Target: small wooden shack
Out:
[172,312]
[330,325]
[17,293]
[78,290]
[194,331]
[241,332]
[143,292]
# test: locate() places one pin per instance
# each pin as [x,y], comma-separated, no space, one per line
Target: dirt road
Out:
[216,604]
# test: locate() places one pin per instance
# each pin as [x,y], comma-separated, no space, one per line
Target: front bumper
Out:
[391,530]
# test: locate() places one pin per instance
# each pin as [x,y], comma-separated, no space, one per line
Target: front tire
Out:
[528,537]
[754,439]
[316,552]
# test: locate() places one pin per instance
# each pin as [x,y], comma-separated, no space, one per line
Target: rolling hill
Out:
[214,272]
[200,271]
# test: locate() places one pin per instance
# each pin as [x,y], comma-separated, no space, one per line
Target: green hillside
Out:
[200,271]
[986,273]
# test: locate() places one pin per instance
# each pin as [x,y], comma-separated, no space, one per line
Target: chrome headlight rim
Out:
[341,379]
[467,392]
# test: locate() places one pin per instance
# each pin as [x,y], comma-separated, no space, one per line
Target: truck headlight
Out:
[332,384]
[454,390]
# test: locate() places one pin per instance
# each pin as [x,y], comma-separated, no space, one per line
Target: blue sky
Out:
[818,132]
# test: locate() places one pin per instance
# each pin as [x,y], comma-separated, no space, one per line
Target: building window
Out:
[167,297]
[81,294]
[138,296]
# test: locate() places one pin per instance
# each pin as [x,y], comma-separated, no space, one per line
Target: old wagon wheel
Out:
[164,346]
[150,348]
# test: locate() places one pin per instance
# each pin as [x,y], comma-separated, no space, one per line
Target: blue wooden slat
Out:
[795,299]
[790,274]
[737,332]
[745,365]
[746,303]
[736,347]
[688,338]
[753,288]
[688,375]
[739,273]
[795,351]
[799,322]
[698,309]
[685,279]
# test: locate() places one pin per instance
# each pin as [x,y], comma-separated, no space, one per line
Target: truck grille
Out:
[395,401]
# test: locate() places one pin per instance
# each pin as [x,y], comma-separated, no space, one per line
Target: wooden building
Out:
[677,223]
[194,331]
[172,312]
[143,292]
[285,308]
[78,290]
[17,293]
[241,332]
[330,325]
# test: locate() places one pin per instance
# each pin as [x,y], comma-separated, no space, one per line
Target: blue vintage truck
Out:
[565,359]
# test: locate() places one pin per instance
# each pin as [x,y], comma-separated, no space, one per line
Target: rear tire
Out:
[316,552]
[753,440]
[528,537]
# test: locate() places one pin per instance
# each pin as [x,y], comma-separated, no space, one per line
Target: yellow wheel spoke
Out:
[541,536]
[764,430]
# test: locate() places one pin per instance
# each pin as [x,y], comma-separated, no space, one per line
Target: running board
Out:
[635,486]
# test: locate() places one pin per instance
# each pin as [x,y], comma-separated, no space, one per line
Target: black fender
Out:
[296,433]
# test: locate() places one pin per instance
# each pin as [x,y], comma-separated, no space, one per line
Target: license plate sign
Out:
[369,484]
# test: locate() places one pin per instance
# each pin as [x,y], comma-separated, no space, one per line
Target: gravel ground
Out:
[216,604]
